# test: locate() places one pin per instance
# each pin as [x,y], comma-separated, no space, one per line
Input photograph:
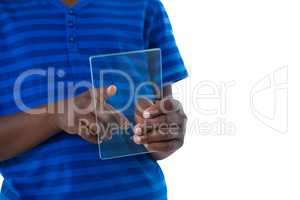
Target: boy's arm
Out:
[24,131]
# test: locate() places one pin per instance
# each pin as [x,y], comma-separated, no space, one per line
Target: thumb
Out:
[143,104]
[110,91]
[105,93]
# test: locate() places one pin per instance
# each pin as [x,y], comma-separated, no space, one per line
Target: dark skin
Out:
[70,3]
[160,126]
[21,132]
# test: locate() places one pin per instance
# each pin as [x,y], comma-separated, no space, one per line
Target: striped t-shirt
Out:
[42,34]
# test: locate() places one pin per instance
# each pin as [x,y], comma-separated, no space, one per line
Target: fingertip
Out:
[146,114]
[111,90]
[137,139]
[170,105]
[138,130]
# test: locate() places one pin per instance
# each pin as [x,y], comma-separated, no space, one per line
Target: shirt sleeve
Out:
[159,34]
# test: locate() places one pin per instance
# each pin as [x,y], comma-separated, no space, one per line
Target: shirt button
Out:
[71,12]
[70,24]
[72,39]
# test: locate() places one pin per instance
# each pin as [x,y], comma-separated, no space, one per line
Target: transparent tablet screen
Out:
[137,75]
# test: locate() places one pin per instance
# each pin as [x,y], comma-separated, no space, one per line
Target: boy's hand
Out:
[160,126]
[79,116]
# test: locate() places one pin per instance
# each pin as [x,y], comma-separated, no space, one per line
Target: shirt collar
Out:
[77,6]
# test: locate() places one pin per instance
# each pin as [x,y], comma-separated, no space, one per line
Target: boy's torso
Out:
[38,35]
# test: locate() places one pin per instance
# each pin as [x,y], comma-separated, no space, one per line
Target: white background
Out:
[250,156]
[240,41]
